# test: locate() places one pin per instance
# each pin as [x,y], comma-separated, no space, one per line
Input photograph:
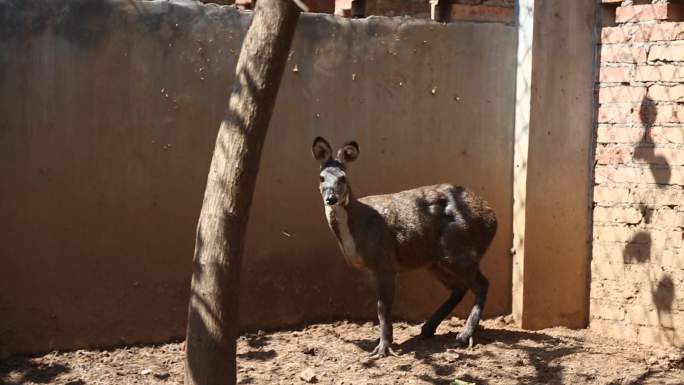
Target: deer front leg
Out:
[385,285]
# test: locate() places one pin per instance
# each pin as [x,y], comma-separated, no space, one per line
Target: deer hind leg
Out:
[457,293]
[479,287]
[462,260]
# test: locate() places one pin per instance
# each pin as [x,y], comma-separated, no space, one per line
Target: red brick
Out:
[667,73]
[648,12]
[623,53]
[602,288]
[656,239]
[619,34]
[669,114]
[621,94]
[482,13]
[665,217]
[643,33]
[619,134]
[656,195]
[609,195]
[633,113]
[610,255]
[630,215]
[644,296]
[673,258]
[661,93]
[659,156]
[639,174]
[657,32]
[609,267]
[642,315]
[667,134]
[616,113]
[616,74]
[633,134]
[666,52]
[607,310]
[614,154]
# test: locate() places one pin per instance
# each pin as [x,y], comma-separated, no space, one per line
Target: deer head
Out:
[333,184]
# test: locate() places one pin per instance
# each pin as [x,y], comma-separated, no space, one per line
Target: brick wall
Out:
[637,276]
[462,10]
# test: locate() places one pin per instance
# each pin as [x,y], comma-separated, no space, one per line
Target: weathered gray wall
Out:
[108,115]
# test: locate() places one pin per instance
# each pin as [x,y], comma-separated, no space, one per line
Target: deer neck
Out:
[338,220]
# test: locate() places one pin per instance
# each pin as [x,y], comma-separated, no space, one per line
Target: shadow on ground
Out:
[21,370]
[542,351]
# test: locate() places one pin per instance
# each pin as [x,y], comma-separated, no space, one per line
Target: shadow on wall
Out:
[205,319]
[640,247]
[644,151]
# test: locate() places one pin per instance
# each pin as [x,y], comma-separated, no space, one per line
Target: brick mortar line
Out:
[632,125]
[646,166]
[669,146]
[634,83]
[637,227]
[626,206]
[642,225]
[656,103]
[640,266]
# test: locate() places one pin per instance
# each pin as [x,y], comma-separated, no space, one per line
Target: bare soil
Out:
[339,354]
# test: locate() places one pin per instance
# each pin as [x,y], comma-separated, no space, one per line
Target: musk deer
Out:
[444,228]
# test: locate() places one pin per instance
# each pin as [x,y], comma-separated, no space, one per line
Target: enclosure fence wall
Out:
[637,270]
[108,119]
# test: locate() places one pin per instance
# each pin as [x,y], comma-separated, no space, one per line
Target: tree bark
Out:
[213,309]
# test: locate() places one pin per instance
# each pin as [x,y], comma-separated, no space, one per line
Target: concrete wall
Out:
[637,288]
[553,142]
[109,111]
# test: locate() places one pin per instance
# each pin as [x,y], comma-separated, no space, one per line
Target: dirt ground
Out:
[339,354]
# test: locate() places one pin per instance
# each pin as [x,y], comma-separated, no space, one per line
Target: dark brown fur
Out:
[414,220]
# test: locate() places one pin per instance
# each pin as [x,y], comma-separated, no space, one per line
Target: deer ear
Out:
[349,152]
[321,150]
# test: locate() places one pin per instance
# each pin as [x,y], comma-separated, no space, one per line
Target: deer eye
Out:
[343,179]
[320,178]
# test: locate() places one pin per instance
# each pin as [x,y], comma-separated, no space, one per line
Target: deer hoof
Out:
[382,350]
[463,342]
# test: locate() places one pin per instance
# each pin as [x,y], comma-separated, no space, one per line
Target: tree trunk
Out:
[213,310]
